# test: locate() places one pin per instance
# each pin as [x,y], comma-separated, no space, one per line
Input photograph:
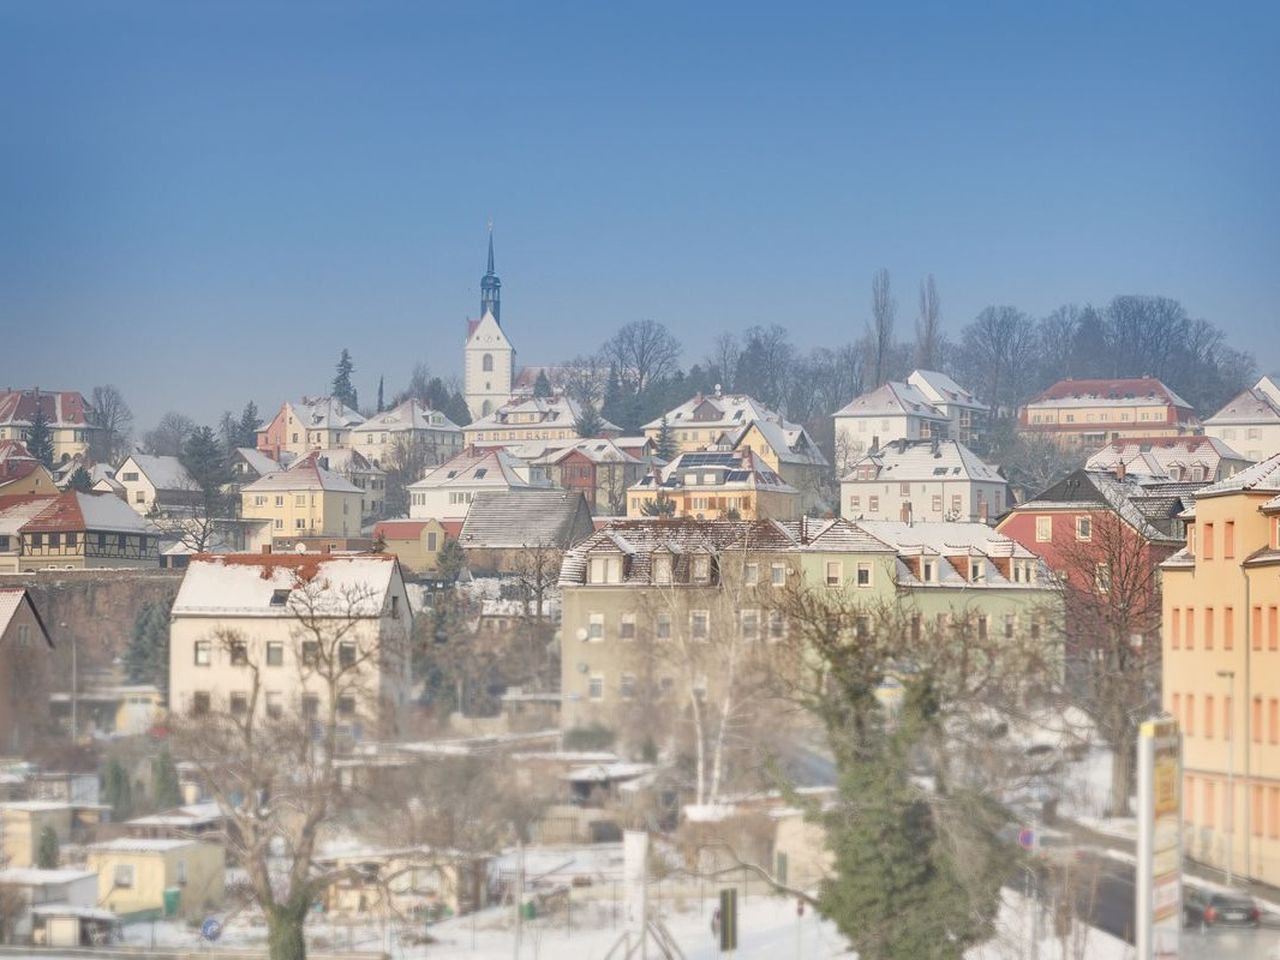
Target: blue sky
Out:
[204,202]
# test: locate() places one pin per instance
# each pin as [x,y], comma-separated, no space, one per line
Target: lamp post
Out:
[1230,677]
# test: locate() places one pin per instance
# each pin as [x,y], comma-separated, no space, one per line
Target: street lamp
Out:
[1230,677]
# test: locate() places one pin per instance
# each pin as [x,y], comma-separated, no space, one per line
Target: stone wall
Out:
[95,608]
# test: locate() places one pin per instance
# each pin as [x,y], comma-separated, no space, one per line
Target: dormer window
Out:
[604,569]
[977,571]
[662,569]
[702,569]
[926,571]
[279,598]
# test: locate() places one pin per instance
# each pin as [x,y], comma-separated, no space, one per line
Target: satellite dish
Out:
[300,548]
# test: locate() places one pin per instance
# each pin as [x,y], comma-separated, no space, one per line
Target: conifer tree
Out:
[666,440]
[589,423]
[40,437]
[542,386]
[381,404]
[80,480]
[250,424]
[343,389]
[116,791]
[146,658]
[166,789]
[48,854]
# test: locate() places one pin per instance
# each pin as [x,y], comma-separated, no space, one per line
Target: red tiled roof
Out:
[1189,442]
[400,529]
[61,407]
[1104,389]
[453,528]
[304,565]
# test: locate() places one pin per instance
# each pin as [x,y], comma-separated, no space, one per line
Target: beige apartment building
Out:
[287,615]
[1092,413]
[1221,671]
[69,417]
[312,423]
[305,501]
[410,425]
[716,421]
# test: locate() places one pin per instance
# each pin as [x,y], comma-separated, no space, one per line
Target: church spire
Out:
[491,287]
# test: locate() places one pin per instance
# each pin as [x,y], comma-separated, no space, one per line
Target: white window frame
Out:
[627,626]
[703,616]
[1044,528]
[778,574]
[595,687]
[834,573]
[595,627]
[122,876]
[1084,528]
[868,569]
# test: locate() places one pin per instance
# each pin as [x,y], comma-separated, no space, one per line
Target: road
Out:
[1104,898]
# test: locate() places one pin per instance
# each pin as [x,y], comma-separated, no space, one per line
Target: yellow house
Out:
[21,824]
[532,418]
[21,473]
[1221,671]
[69,417]
[702,422]
[134,875]
[307,500]
[716,486]
[416,543]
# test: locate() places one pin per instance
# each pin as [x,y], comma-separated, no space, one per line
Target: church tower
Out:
[489,359]
[491,287]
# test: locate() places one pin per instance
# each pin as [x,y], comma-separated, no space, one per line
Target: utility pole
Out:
[1230,677]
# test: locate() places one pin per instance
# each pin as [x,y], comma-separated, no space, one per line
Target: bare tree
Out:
[880,331]
[405,465]
[723,359]
[1111,594]
[167,438]
[273,767]
[583,378]
[537,570]
[113,416]
[997,355]
[929,327]
[644,351]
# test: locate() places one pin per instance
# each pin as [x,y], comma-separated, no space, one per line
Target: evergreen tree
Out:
[116,791]
[451,561]
[165,787]
[343,389]
[666,440]
[48,854]
[40,437]
[457,410]
[660,506]
[589,423]
[146,658]
[250,424]
[381,405]
[542,386]
[613,396]
[80,480]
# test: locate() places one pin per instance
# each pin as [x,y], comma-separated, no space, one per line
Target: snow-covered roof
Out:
[71,910]
[325,413]
[789,442]
[718,470]
[924,460]
[140,845]
[941,389]
[72,510]
[518,518]
[163,473]
[413,414]
[63,408]
[1122,392]
[338,460]
[36,806]
[35,877]
[893,399]
[306,474]
[189,815]
[258,461]
[475,468]
[1263,477]
[11,599]
[260,585]
[597,450]
[1259,405]
[727,410]
[607,772]
[535,412]
[1165,457]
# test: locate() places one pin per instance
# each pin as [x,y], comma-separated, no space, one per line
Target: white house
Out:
[968,415]
[277,614]
[1250,423]
[923,480]
[156,483]
[1189,459]
[894,411]
[446,492]
[410,424]
[34,888]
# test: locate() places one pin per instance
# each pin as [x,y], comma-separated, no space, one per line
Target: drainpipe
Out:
[1248,719]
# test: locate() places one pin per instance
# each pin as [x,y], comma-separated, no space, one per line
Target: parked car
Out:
[1201,908]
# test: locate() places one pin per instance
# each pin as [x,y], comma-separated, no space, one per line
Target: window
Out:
[1102,576]
[699,624]
[1208,716]
[238,704]
[199,703]
[239,653]
[486,363]
[751,574]
[395,607]
[984,624]
[1256,818]
[702,569]
[662,626]
[873,503]
[662,569]
[279,598]
[346,706]
[280,500]
[1010,624]
[71,541]
[1189,798]
[1207,816]
[1273,721]
[310,653]
[139,497]
[926,569]
[1256,630]
[977,571]
[346,654]
[37,540]
[777,625]
[1189,623]
[595,626]
[855,503]
[275,653]
[300,523]
[275,704]
[1206,546]
[1229,540]
[1273,627]
[864,574]
[595,687]
[311,706]
[1175,706]
[1274,794]
[180,873]
[917,625]
[904,489]
[778,574]
[1084,528]
[1257,720]
[203,653]
[1228,721]
[937,503]
[122,876]
[750,624]
[1228,628]
[835,573]
[1175,631]
[1208,628]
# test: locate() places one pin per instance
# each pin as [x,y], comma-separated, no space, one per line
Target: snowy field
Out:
[769,930]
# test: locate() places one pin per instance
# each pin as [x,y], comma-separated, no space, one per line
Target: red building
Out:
[598,469]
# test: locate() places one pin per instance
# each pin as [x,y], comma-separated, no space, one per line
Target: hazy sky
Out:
[204,203]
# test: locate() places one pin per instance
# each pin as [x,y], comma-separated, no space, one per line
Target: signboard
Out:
[211,929]
[1158,899]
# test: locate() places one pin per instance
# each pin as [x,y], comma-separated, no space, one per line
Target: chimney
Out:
[875,443]
[328,549]
[266,549]
[1120,470]
[936,447]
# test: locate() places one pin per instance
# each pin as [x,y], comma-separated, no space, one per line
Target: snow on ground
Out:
[768,928]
